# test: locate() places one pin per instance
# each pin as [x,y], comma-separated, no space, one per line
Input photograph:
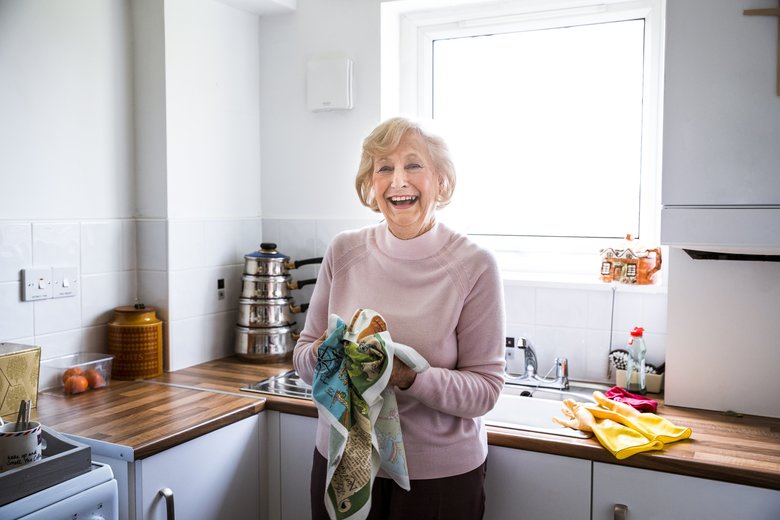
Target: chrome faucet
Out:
[531,379]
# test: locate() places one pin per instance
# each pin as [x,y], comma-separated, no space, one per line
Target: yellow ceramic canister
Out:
[135,339]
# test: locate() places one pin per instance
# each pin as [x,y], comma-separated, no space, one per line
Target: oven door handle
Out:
[167,494]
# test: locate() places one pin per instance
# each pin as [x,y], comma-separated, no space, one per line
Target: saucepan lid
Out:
[267,250]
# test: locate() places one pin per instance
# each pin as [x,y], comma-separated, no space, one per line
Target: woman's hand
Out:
[315,346]
[402,376]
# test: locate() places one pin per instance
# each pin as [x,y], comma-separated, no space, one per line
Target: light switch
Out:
[36,283]
[65,281]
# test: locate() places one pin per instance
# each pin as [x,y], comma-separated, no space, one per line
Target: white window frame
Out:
[409,28]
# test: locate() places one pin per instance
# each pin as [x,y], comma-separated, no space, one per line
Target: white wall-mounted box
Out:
[329,84]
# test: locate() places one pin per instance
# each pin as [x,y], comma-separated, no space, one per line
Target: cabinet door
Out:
[653,495]
[297,436]
[720,129]
[526,484]
[213,476]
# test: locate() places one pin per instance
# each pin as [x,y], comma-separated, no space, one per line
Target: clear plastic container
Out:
[94,369]
[636,362]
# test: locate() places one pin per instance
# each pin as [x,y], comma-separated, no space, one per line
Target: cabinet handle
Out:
[167,494]
[621,512]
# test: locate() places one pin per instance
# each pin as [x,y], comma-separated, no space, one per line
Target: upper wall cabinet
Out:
[721,173]
[263,7]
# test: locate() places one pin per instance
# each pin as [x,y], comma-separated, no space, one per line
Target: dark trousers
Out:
[461,497]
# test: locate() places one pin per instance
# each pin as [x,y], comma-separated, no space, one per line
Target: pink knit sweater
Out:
[442,295]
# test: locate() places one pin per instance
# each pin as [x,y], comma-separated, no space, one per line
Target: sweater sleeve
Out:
[472,388]
[304,357]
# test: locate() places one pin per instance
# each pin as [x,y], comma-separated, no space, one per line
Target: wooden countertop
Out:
[146,418]
[153,415]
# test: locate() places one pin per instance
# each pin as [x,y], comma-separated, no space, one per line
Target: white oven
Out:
[91,496]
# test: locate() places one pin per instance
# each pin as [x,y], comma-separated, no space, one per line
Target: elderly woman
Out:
[439,293]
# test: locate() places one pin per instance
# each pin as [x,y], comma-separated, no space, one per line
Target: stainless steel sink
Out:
[287,384]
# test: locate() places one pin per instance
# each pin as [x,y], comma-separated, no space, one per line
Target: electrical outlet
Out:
[221,289]
[65,281]
[36,284]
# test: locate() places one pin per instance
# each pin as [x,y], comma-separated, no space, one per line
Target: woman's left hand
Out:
[402,376]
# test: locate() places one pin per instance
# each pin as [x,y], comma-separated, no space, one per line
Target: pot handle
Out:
[297,309]
[297,284]
[298,263]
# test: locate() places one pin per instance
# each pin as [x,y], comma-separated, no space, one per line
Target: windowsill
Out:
[574,281]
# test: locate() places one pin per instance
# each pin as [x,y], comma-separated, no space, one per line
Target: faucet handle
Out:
[530,354]
[561,367]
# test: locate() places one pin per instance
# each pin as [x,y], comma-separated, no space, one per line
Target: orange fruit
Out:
[76,384]
[94,378]
[73,371]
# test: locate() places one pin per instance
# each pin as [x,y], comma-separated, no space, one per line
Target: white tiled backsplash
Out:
[174,266]
[105,254]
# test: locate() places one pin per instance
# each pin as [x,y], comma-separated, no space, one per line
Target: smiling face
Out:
[405,184]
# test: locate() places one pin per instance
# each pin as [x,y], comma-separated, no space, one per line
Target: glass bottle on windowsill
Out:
[636,362]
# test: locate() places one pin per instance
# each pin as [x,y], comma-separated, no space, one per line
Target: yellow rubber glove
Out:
[619,439]
[648,424]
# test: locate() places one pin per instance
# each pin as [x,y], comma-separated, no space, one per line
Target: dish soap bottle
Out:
[636,362]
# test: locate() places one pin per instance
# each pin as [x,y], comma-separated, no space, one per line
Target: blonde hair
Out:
[384,139]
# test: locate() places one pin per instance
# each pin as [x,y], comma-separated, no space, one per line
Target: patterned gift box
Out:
[19,369]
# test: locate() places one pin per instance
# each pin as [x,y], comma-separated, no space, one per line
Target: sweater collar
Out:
[417,248]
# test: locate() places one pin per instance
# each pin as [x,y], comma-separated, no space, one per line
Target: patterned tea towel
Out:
[351,392]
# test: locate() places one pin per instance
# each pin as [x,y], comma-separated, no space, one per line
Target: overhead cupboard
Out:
[721,121]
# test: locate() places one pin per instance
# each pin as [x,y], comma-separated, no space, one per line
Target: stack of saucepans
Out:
[265,332]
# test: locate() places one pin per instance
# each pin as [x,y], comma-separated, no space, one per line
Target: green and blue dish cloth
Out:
[350,390]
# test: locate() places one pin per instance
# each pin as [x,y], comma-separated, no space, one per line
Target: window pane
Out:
[545,127]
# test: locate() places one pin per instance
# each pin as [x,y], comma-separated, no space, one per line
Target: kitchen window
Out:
[552,111]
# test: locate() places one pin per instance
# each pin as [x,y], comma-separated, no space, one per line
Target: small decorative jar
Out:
[135,339]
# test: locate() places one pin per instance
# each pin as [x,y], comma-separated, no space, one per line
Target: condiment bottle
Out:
[636,362]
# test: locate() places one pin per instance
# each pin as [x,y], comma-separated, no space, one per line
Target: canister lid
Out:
[267,250]
[138,308]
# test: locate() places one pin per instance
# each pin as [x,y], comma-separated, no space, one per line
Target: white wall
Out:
[213,110]
[92,92]
[309,159]
[66,147]
[67,194]
[212,159]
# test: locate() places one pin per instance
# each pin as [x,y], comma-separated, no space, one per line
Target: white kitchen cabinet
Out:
[213,476]
[720,130]
[297,449]
[527,484]
[720,185]
[290,448]
[654,495]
